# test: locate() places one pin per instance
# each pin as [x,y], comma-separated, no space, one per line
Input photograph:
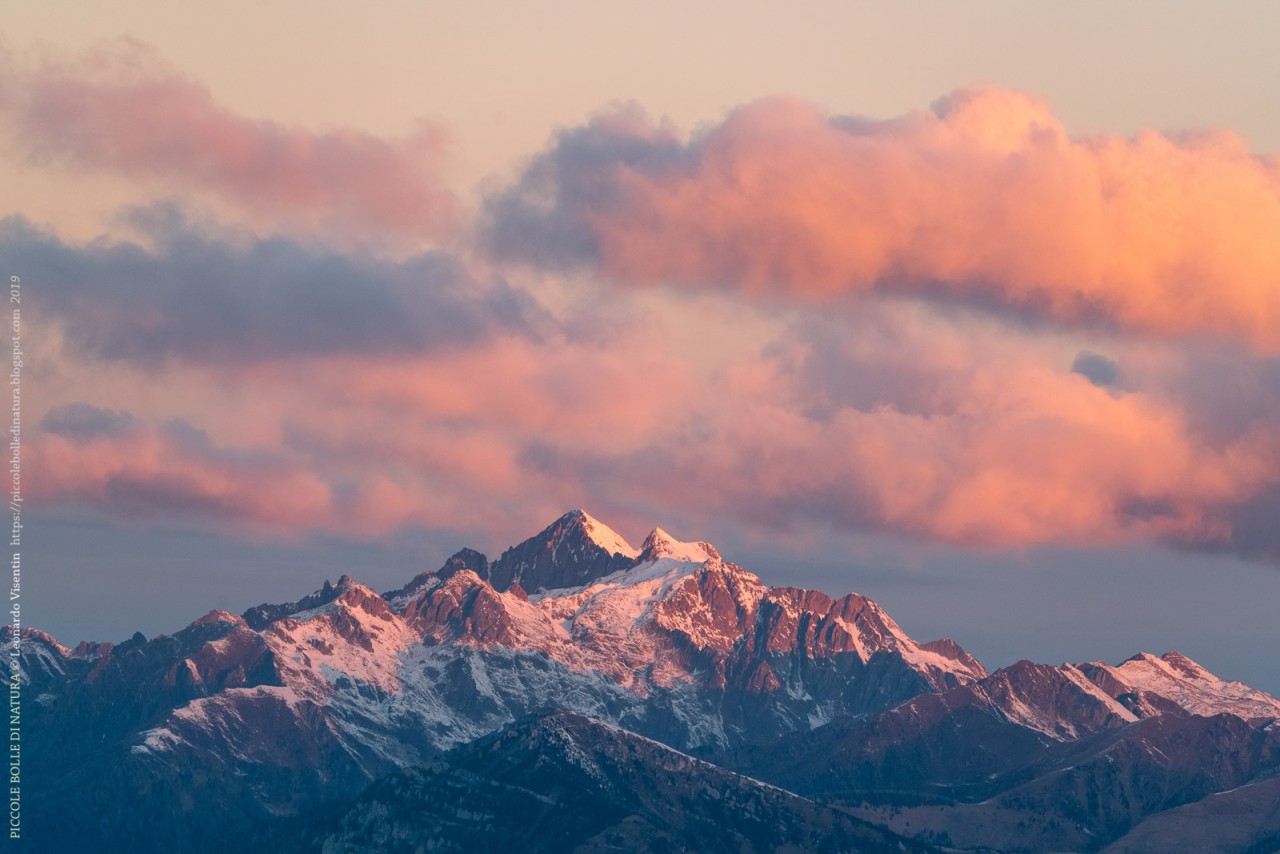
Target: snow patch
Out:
[660,544]
[605,537]
[1180,680]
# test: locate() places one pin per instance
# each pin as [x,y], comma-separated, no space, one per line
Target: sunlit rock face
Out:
[273,714]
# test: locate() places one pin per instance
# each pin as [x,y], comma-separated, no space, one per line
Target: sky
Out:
[971,308]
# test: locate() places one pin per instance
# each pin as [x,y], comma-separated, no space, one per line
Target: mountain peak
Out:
[660,544]
[1175,664]
[573,550]
[598,532]
[1161,683]
[261,616]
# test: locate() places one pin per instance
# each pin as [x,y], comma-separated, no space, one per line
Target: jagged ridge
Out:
[670,641]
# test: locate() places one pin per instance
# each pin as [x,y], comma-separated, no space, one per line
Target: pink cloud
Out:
[145,474]
[971,439]
[986,198]
[366,445]
[127,113]
[1018,455]
[612,397]
[261,490]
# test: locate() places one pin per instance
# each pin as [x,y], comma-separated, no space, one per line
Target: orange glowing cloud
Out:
[612,398]
[1053,458]
[359,444]
[1009,456]
[904,421]
[986,198]
[127,113]
[968,440]
[147,473]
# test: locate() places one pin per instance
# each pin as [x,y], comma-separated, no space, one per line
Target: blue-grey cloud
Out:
[202,298]
[82,421]
[1254,527]
[1097,369]
[544,218]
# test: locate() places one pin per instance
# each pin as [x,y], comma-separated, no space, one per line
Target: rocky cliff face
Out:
[573,550]
[277,713]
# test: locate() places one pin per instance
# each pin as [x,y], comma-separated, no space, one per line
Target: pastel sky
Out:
[971,308]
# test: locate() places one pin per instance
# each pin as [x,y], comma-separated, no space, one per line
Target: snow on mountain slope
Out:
[605,537]
[610,624]
[454,654]
[356,636]
[1057,701]
[660,544]
[301,703]
[653,638]
[1151,685]
[42,654]
[564,782]
[221,719]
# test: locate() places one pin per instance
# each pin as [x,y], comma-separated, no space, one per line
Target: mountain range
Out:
[579,694]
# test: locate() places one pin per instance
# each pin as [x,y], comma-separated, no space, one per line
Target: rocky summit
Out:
[577,693]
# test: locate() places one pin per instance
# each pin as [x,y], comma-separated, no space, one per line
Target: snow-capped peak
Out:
[660,544]
[602,535]
[1176,679]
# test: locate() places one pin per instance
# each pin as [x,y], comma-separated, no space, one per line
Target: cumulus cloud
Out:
[935,434]
[388,393]
[542,219]
[901,419]
[976,445]
[985,198]
[123,111]
[209,298]
[364,445]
